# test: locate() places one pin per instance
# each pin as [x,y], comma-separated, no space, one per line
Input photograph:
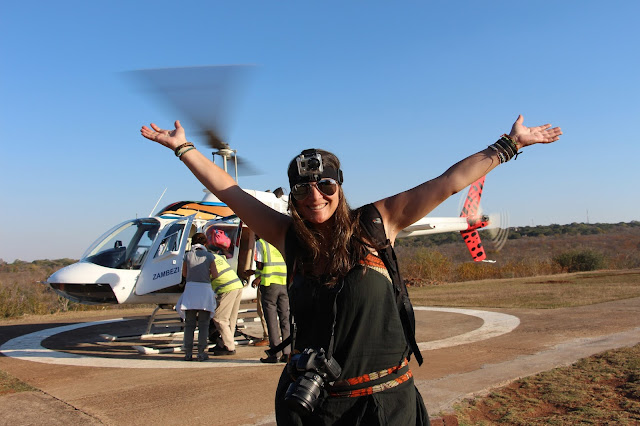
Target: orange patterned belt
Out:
[375,376]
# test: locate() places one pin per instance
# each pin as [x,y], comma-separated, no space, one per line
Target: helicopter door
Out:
[163,266]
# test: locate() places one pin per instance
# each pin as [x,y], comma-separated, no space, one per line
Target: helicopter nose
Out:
[84,282]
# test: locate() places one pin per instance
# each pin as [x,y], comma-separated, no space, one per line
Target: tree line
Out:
[518,232]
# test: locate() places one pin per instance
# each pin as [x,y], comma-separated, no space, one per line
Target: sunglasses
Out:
[327,186]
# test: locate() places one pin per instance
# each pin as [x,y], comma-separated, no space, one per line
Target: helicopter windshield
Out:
[126,246]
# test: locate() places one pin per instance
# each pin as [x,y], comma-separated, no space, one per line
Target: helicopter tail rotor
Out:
[498,230]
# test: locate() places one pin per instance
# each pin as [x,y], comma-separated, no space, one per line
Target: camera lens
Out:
[313,164]
[303,395]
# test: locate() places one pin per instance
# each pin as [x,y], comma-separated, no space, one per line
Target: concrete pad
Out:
[234,395]
[39,409]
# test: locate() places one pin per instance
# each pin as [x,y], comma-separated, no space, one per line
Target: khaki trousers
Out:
[226,316]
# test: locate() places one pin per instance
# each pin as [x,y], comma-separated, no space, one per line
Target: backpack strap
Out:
[371,222]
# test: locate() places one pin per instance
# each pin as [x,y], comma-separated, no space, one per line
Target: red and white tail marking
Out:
[470,210]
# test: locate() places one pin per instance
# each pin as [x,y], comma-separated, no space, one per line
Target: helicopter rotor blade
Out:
[214,140]
[246,168]
[202,93]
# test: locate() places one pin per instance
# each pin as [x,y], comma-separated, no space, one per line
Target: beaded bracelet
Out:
[185,150]
[501,156]
[184,145]
[511,142]
[505,148]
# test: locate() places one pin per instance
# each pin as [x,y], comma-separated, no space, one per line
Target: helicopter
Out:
[139,261]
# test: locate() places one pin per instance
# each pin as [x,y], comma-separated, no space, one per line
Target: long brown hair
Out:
[344,249]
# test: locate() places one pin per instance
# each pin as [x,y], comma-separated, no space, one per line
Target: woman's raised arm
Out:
[405,208]
[262,219]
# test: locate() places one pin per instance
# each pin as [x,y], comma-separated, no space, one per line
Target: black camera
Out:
[313,370]
[309,163]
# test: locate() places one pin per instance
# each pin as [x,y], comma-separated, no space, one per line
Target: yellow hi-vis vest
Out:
[274,269]
[227,279]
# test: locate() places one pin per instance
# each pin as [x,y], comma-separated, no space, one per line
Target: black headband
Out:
[327,172]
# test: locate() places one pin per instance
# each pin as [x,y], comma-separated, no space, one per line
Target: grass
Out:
[9,384]
[543,292]
[602,389]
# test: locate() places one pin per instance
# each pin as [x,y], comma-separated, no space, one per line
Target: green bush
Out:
[425,266]
[580,260]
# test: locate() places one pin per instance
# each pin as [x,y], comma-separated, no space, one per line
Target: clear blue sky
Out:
[399,90]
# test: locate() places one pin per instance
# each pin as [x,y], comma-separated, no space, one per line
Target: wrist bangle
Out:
[505,148]
[511,142]
[184,145]
[185,150]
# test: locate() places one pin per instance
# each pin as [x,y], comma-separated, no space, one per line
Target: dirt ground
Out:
[239,390]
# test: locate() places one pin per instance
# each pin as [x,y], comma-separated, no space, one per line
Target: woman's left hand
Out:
[525,136]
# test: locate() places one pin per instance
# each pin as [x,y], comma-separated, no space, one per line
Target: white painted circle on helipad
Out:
[29,347]
[494,324]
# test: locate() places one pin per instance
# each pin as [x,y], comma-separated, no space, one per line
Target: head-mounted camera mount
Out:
[310,164]
[309,167]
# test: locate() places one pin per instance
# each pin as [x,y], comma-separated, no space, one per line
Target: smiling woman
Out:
[347,325]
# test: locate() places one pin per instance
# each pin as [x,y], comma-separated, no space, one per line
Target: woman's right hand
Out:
[267,222]
[169,138]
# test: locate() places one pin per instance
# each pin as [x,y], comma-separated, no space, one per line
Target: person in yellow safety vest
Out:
[228,289]
[272,269]
[256,284]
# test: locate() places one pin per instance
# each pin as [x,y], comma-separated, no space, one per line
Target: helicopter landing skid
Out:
[241,337]
[148,350]
[153,321]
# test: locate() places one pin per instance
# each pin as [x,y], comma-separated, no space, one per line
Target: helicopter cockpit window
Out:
[126,246]
[172,240]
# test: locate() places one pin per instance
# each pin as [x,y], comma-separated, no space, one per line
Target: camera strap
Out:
[335,316]
[292,337]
